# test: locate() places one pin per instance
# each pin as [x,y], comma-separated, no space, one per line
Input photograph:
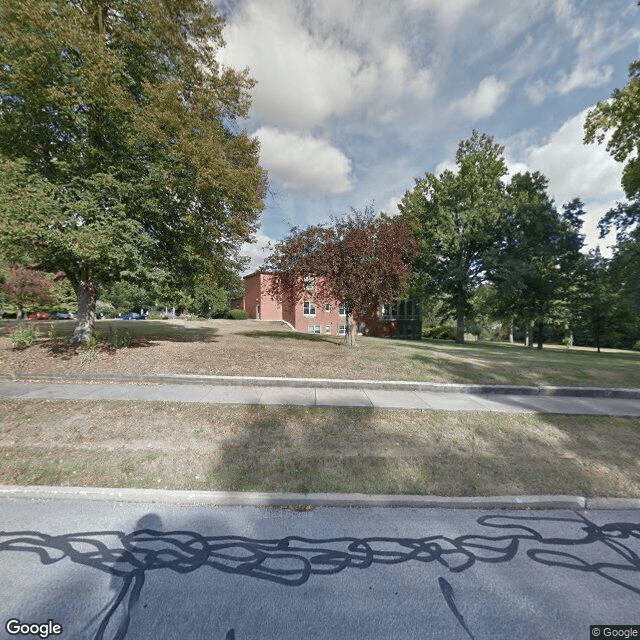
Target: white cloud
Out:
[301,80]
[392,206]
[573,168]
[257,252]
[585,75]
[314,61]
[485,99]
[304,163]
[446,165]
[448,12]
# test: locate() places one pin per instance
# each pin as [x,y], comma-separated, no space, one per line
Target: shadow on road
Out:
[608,551]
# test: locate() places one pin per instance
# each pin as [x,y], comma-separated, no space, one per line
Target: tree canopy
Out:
[535,260]
[617,121]
[360,261]
[458,213]
[119,143]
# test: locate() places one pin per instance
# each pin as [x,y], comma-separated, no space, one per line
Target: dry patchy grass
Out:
[251,347]
[100,443]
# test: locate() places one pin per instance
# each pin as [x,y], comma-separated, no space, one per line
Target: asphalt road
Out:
[149,571]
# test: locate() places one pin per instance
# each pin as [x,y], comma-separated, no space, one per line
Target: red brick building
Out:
[400,320]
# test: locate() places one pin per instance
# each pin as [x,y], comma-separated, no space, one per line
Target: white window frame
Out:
[309,309]
[327,328]
[309,283]
[342,330]
[313,328]
[342,310]
[327,308]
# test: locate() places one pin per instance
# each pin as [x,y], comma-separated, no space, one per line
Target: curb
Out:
[312,500]
[323,383]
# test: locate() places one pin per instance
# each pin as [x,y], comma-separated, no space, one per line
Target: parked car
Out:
[61,315]
[39,315]
[131,315]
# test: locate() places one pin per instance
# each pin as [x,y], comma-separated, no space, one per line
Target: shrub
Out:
[447,331]
[23,337]
[237,314]
[94,339]
[53,332]
[567,341]
[636,345]
[88,355]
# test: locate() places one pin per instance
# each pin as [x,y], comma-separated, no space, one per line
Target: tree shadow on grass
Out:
[362,450]
[132,337]
[286,335]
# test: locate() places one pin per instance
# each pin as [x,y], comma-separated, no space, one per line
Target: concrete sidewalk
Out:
[367,394]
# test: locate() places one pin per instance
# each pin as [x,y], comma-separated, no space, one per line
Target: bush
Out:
[636,345]
[105,310]
[237,314]
[23,337]
[121,338]
[446,331]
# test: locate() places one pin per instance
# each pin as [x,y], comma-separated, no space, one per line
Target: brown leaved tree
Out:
[360,261]
[27,287]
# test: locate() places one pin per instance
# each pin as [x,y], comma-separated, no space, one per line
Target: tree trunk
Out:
[528,340]
[511,332]
[540,333]
[86,318]
[352,331]
[460,318]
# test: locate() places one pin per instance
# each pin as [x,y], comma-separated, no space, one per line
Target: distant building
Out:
[400,320]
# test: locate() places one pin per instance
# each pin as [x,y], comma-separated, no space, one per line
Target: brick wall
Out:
[258,304]
[326,319]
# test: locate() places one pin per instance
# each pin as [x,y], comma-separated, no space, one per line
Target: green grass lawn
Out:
[504,363]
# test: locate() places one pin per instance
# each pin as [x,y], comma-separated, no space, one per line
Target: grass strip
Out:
[294,449]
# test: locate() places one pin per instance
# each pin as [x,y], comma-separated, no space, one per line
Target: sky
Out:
[355,99]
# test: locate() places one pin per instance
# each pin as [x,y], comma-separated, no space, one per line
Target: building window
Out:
[327,308]
[309,308]
[309,283]
[327,328]
[342,330]
[342,310]
[313,328]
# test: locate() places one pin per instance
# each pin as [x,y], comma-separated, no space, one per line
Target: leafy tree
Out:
[360,261]
[25,287]
[595,300]
[620,115]
[458,214]
[129,296]
[119,148]
[619,119]
[534,263]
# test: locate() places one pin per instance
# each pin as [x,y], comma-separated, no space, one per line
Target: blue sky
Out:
[356,98]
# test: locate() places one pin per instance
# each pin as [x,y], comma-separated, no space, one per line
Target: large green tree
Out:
[119,143]
[534,264]
[617,120]
[458,213]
